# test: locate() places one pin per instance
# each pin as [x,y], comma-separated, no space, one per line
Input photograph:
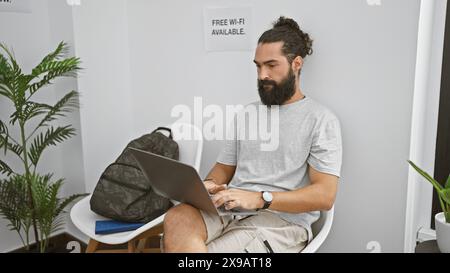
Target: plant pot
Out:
[442,233]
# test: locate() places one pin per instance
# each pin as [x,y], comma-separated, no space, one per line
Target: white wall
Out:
[106,114]
[33,36]
[144,57]
[364,70]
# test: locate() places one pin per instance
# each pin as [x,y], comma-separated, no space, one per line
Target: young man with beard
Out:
[289,185]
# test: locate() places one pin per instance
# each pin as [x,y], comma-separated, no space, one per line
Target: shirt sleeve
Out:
[228,154]
[326,148]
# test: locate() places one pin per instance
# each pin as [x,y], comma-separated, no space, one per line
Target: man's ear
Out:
[297,64]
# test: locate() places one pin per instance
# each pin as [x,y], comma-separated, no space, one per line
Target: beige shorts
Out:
[265,232]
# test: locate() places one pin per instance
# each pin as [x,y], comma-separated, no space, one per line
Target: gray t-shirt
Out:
[308,133]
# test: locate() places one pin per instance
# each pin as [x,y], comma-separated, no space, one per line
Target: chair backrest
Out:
[320,229]
[190,142]
[318,225]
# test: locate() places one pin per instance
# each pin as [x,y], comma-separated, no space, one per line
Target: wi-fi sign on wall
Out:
[23,6]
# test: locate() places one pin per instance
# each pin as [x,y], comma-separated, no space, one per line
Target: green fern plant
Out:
[443,192]
[29,200]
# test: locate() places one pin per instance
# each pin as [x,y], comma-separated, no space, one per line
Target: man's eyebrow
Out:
[266,62]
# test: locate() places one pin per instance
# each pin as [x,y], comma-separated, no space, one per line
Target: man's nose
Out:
[263,75]
[264,78]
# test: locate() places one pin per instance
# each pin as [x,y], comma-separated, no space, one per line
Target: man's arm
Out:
[320,195]
[219,177]
[221,173]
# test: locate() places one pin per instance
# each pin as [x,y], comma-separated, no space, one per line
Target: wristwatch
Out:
[267,198]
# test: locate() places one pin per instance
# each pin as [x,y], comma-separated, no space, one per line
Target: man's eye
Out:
[271,65]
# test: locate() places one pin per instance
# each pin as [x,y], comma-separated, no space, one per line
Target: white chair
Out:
[320,229]
[190,142]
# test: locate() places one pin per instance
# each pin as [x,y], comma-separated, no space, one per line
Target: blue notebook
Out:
[111,226]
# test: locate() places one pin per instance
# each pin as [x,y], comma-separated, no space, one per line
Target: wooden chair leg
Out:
[141,244]
[144,238]
[92,246]
[132,246]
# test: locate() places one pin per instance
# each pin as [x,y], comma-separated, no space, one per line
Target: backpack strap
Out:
[164,129]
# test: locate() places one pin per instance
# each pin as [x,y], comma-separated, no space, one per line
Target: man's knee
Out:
[181,216]
[184,229]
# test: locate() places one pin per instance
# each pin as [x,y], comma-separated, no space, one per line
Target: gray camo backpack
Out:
[123,192]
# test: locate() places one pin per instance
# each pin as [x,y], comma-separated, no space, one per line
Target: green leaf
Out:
[436,184]
[4,135]
[14,66]
[5,68]
[16,148]
[12,77]
[14,204]
[66,201]
[13,84]
[47,205]
[5,169]
[50,138]
[33,109]
[54,66]
[4,91]
[58,224]
[60,51]
[3,128]
[64,105]
[23,85]
[445,195]
[447,184]
[5,143]
[67,67]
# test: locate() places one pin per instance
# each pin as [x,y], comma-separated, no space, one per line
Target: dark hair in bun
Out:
[296,42]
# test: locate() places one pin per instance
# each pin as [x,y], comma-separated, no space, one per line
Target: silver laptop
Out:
[180,182]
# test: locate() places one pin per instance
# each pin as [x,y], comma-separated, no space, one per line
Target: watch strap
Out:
[266,204]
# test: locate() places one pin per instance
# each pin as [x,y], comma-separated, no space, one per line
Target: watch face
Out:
[267,196]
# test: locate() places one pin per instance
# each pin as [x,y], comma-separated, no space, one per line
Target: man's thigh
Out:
[215,224]
[262,233]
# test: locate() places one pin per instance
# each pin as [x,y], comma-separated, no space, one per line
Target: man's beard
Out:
[278,93]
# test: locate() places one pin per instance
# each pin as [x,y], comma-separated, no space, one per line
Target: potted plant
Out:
[28,199]
[442,219]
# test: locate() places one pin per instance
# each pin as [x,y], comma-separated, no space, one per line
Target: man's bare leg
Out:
[184,230]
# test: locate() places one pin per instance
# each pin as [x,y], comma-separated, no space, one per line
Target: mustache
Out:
[261,83]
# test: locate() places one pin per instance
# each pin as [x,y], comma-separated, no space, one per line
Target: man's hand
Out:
[213,188]
[234,198]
